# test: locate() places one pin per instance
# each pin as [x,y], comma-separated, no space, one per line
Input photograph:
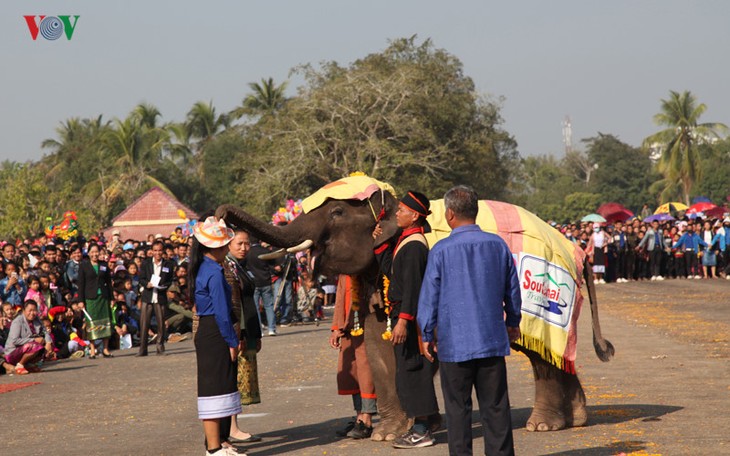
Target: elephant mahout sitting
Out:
[338,223]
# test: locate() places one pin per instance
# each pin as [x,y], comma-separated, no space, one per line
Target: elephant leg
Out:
[393,420]
[576,413]
[548,414]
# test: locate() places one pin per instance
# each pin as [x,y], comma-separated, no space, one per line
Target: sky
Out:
[607,65]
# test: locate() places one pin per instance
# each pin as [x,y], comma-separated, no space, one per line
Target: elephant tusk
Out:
[273,255]
[303,246]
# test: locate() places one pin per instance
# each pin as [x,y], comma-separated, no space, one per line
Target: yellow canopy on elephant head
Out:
[359,187]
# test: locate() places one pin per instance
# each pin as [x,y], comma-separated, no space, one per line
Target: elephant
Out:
[339,232]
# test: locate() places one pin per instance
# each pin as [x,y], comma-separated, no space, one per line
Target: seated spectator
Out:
[12,287]
[124,324]
[34,293]
[310,300]
[180,317]
[62,332]
[27,342]
[6,317]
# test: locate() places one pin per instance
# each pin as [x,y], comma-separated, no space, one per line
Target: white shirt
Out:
[157,268]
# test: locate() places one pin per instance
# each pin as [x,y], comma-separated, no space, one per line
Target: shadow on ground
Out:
[323,433]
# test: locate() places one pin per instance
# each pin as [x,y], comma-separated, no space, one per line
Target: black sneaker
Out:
[343,432]
[360,431]
[412,439]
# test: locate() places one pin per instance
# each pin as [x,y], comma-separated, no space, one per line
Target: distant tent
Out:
[155,212]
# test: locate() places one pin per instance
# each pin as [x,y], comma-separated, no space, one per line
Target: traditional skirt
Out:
[709,258]
[218,395]
[248,377]
[100,326]
[29,348]
[599,260]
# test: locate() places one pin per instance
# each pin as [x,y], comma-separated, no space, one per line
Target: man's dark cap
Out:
[417,202]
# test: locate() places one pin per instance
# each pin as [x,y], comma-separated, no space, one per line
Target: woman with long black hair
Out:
[216,341]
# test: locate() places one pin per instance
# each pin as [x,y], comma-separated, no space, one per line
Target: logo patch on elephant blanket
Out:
[548,291]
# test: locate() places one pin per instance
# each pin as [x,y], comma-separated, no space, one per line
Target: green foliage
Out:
[622,173]
[407,115]
[680,161]
[715,182]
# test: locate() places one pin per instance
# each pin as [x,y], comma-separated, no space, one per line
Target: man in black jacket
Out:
[155,276]
[262,272]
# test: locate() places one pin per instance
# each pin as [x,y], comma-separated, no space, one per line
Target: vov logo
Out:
[51,27]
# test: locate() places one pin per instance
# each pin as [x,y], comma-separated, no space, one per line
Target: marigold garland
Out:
[388,334]
[355,307]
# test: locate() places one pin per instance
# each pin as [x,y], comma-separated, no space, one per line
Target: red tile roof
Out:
[155,212]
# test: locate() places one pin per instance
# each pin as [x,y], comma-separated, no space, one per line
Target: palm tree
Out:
[267,97]
[202,123]
[680,161]
[147,114]
[135,150]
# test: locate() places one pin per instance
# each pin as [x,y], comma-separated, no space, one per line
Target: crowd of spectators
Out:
[634,250]
[43,318]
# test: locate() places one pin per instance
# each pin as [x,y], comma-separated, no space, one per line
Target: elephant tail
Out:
[604,348]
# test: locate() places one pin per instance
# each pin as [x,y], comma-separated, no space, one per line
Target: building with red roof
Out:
[155,212]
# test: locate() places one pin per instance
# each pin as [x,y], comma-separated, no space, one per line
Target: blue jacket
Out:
[213,297]
[689,241]
[470,284]
[13,295]
[718,241]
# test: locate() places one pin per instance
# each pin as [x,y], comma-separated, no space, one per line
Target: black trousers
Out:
[489,377]
[144,321]
[655,262]
[414,377]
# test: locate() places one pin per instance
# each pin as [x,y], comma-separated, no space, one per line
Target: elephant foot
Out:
[579,417]
[543,420]
[388,431]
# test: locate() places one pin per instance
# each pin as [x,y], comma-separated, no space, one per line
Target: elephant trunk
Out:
[604,348]
[281,236]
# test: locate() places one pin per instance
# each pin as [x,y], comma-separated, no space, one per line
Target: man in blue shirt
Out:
[469,286]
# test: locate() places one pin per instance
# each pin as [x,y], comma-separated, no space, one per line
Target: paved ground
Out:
[665,393]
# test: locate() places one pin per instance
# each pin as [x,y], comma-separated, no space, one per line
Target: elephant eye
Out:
[336,212]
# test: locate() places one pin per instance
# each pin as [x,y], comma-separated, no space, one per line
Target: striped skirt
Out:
[218,395]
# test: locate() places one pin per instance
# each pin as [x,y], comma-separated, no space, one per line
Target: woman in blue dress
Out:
[216,342]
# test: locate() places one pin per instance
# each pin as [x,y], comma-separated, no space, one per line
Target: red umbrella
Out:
[700,207]
[613,212]
[716,212]
[620,216]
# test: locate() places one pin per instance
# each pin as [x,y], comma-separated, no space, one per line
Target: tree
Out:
[25,201]
[679,162]
[266,98]
[407,115]
[622,173]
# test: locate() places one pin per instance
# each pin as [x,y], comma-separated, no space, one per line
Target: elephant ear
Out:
[387,223]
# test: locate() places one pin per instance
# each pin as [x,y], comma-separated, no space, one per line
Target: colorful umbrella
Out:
[663,217]
[671,207]
[700,199]
[595,218]
[700,207]
[620,216]
[716,212]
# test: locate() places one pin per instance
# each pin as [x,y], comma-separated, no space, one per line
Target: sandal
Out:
[21,370]
[107,355]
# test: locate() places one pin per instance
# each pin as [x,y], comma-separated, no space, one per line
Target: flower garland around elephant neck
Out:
[355,307]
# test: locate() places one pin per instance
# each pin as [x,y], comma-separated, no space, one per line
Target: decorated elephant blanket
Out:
[550,270]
